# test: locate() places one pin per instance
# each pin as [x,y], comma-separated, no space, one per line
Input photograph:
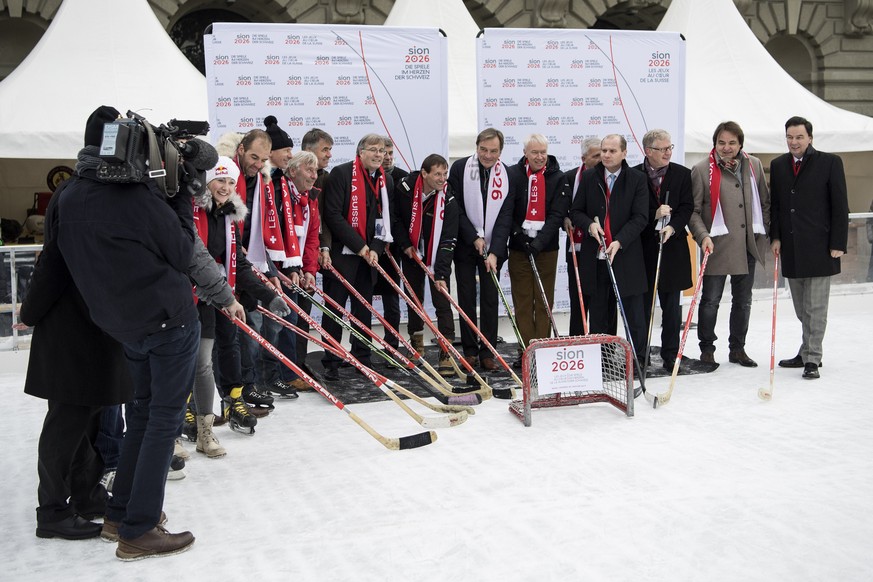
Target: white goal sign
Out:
[347,80]
[572,368]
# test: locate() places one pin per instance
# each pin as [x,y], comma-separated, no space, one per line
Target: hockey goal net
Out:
[568,371]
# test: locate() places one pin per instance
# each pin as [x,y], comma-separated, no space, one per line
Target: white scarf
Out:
[257,250]
[483,218]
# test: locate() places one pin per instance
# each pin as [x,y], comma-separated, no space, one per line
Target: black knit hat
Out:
[281,140]
[94,126]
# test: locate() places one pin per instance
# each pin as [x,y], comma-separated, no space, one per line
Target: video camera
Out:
[133,150]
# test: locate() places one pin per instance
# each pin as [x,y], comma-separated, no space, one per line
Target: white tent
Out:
[731,76]
[96,52]
[452,17]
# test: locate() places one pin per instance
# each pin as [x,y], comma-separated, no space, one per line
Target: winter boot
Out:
[445,368]
[179,450]
[416,340]
[236,412]
[206,441]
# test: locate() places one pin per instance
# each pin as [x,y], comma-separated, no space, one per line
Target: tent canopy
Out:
[731,76]
[96,52]
[452,17]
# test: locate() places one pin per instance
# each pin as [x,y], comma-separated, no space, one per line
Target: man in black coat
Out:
[809,230]
[427,225]
[481,186]
[357,211]
[590,158]
[540,204]
[616,195]
[78,369]
[128,249]
[670,206]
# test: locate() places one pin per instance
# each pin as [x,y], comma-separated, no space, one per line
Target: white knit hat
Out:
[225,168]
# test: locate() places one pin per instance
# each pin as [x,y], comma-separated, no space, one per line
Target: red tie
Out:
[796,166]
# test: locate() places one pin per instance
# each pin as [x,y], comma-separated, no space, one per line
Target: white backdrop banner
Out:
[346,80]
[571,84]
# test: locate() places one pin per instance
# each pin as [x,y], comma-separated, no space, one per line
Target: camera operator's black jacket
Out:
[129,249]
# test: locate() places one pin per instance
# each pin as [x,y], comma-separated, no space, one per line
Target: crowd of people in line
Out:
[116,321]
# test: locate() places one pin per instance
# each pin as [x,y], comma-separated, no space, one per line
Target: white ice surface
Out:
[715,486]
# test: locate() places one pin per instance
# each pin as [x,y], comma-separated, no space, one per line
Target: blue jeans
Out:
[741,307]
[162,369]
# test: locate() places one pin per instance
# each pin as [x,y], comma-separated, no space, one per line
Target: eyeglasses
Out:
[375,150]
[669,148]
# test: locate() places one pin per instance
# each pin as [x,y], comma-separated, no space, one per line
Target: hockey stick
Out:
[664,398]
[509,313]
[380,381]
[394,444]
[627,332]
[767,393]
[484,389]
[414,297]
[472,326]
[655,288]
[578,282]
[545,299]
[419,358]
[404,365]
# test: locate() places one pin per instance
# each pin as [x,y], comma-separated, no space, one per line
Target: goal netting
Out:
[569,371]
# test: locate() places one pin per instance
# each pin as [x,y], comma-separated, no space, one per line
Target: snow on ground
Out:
[715,486]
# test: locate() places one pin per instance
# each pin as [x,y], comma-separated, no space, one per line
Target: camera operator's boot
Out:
[236,411]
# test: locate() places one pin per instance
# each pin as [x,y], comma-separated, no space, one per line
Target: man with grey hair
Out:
[390,299]
[590,158]
[357,210]
[670,207]
[302,172]
[541,202]
[320,143]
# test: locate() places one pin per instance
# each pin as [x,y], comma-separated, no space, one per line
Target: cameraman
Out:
[128,248]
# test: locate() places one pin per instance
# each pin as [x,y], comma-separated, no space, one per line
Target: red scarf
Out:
[300,219]
[289,239]
[201,222]
[717,226]
[535,215]
[578,233]
[607,230]
[357,213]
[271,234]
[417,220]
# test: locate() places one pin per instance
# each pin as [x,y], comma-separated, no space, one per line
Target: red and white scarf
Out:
[578,233]
[201,223]
[417,221]
[265,236]
[289,240]
[535,215]
[483,213]
[357,213]
[719,227]
[300,218]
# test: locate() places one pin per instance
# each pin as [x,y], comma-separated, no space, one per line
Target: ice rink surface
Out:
[717,485]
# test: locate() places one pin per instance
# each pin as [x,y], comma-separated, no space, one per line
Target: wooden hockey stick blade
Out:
[393,443]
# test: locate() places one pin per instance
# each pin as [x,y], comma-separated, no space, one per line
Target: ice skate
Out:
[260,404]
[236,412]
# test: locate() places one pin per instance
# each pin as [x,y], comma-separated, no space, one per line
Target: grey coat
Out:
[729,250]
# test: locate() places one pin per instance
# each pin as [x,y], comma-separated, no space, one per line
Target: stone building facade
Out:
[827,45]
